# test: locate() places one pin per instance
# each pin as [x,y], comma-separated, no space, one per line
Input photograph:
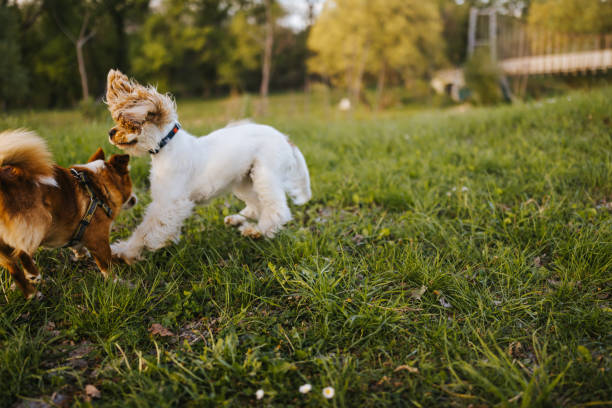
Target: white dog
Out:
[257,163]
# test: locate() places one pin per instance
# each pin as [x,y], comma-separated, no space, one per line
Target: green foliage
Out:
[353,38]
[44,36]
[13,77]
[175,47]
[92,109]
[572,16]
[502,214]
[244,52]
[482,77]
[455,29]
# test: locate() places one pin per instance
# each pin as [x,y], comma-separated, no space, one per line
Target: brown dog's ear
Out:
[98,155]
[120,162]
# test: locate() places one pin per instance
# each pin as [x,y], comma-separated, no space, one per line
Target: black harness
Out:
[94,202]
[166,139]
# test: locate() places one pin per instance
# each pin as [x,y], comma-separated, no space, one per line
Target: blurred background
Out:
[346,54]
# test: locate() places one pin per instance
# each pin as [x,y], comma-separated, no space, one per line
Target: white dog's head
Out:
[141,114]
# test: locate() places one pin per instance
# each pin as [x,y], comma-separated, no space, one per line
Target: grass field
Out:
[446,259]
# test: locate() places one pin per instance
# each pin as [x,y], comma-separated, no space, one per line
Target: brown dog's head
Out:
[111,178]
[142,115]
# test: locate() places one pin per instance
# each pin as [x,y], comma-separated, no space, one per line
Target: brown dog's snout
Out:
[111,133]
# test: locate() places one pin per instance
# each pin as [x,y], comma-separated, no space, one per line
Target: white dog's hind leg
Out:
[162,223]
[274,212]
[245,193]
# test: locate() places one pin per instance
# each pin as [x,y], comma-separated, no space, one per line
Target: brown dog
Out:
[42,204]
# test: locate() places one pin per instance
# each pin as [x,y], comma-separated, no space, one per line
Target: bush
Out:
[92,109]
[483,78]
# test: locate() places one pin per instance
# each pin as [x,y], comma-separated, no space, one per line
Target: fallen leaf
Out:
[82,350]
[158,329]
[78,363]
[537,262]
[408,368]
[515,349]
[385,379]
[92,391]
[60,400]
[417,292]
[358,239]
[50,327]
[444,303]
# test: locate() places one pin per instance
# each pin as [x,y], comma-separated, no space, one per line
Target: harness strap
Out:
[94,202]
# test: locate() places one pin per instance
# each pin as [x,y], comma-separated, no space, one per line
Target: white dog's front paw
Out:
[124,251]
[250,230]
[234,220]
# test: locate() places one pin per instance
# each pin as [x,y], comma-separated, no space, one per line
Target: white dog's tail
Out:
[299,179]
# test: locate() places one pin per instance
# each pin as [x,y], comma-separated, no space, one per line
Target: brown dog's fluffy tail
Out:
[23,153]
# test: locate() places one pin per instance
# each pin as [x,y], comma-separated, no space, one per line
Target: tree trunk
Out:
[380,86]
[310,22]
[267,59]
[356,91]
[79,43]
[82,70]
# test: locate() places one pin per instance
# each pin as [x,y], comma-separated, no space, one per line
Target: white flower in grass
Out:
[328,392]
[305,389]
[259,394]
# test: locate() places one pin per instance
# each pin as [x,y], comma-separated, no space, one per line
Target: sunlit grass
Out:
[503,216]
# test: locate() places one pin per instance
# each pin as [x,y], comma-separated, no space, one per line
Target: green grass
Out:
[502,215]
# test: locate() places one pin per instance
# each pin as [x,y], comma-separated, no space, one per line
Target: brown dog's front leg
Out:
[78,254]
[26,287]
[101,252]
[12,264]
[31,271]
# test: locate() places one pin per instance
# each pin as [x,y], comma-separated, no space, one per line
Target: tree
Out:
[173,46]
[267,54]
[121,11]
[353,39]
[13,81]
[253,33]
[182,44]
[243,52]
[86,31]
[572,16]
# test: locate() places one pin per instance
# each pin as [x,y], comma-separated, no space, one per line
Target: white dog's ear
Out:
[117,86]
